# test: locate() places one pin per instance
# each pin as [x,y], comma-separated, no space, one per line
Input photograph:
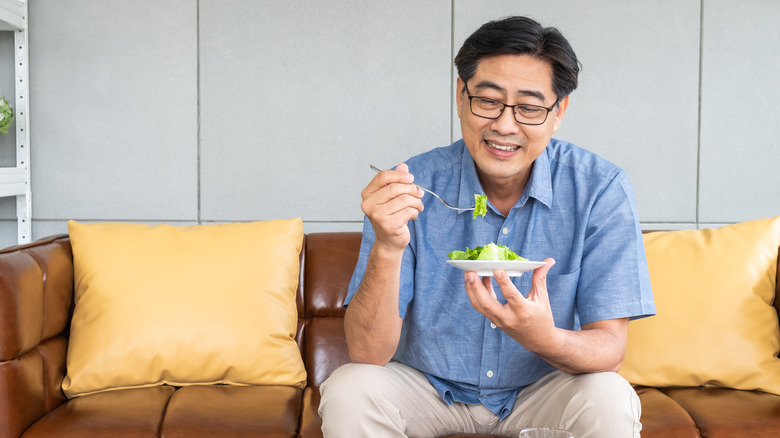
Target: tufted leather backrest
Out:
[36,301]
[329,261]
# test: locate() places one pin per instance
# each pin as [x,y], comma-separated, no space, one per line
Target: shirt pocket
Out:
[562,290]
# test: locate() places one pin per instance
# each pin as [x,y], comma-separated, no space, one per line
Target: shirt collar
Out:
[539,185]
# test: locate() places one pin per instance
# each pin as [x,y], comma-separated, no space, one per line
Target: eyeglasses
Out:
[525,114]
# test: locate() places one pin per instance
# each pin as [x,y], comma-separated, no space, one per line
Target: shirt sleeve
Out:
[614,280]
[406,292]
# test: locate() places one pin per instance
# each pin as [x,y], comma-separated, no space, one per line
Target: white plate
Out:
[485,268]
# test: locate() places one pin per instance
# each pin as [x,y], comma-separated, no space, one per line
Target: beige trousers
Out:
[361,401]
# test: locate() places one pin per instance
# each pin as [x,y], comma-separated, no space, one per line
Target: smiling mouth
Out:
[501,147]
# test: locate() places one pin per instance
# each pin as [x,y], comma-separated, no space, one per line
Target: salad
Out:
[490,251]
[480,205]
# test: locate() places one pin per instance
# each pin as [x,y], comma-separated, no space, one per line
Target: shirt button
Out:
[492,325]
[505,231]
[490,373]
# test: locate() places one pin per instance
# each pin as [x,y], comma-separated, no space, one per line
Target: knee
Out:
[605,389]
[602,384]
[353,399]
[605,397]
[352,383]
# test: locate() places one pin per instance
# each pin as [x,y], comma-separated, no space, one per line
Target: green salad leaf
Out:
[480,205]
[490,251]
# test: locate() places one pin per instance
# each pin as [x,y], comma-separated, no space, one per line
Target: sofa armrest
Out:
[36,299]
[777,285]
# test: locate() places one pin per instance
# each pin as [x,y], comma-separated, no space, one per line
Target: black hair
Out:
[521,36]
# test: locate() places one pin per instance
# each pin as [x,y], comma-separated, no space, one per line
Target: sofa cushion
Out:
[662,417]
[233,412]
[715,325]
[130,413]
[722,412]
[184,305]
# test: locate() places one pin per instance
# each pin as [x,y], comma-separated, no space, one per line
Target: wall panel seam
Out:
[199,119]
[698,118]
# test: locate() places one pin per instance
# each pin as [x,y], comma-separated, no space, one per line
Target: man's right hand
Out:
[390,201]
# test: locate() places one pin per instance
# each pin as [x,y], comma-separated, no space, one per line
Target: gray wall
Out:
[201,111]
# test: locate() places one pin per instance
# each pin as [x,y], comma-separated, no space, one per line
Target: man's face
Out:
[503,149]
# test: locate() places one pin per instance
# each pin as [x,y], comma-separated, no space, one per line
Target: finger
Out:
[400,209]
[393,190]
[401,176]
[475,289]
[392,220]
[487,282]
[540,274]
[469,280]
[539,278]
[391,198]
[384,188]
[482,298]
[508,289]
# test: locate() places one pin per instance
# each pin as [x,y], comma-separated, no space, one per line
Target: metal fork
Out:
[377,170]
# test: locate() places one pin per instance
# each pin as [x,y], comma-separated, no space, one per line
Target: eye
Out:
[529,110]
[488,103]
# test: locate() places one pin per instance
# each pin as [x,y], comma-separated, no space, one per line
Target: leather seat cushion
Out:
[725,413]
[233,411]
[136,412]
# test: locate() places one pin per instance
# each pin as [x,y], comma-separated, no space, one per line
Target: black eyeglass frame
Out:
[514,114]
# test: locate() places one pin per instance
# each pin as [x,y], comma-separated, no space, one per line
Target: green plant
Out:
[6,115]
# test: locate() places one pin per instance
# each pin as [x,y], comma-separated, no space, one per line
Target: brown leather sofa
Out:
[36,300]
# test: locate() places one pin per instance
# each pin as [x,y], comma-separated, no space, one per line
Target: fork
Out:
[377,170]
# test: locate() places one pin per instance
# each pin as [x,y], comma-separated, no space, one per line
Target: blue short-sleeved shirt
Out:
[577,208]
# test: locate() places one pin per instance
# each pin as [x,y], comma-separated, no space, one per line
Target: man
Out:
[436,351]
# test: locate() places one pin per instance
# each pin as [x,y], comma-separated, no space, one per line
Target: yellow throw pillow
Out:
[716,325]
[185,305]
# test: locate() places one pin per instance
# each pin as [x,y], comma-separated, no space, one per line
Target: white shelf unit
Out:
[15,181]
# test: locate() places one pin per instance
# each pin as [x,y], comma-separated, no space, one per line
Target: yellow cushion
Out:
[184,305]
[716,325]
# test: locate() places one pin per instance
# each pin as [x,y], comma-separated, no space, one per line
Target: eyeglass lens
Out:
[492,109]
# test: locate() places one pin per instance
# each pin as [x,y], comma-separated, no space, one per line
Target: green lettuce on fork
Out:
[480,205]
[490,251]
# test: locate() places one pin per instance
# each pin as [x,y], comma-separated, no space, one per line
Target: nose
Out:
[505,123]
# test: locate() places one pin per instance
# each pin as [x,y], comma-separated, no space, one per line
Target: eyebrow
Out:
[493,86]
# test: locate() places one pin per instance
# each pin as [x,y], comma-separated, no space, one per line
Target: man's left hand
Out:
[529,319]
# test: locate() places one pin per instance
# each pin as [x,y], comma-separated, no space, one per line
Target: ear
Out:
[562,105]
[459,92]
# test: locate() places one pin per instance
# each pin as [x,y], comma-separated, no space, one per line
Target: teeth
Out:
[502,148]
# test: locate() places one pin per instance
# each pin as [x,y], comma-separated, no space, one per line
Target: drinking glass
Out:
[544,432]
